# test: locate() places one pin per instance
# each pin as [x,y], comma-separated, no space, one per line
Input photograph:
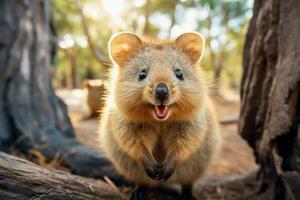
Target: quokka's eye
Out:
[143,74]
[179,74]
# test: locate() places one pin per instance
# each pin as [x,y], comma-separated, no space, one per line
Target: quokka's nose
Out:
[161,92]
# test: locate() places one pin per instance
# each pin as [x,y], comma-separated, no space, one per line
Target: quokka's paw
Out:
[160,172]
[165,171]
[152,171]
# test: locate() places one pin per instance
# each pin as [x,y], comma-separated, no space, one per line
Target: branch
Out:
[100,56]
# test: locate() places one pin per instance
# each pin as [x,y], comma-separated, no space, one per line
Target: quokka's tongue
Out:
[161,111]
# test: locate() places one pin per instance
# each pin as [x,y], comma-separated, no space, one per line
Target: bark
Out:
[270,109]
[21,179]
[31,115]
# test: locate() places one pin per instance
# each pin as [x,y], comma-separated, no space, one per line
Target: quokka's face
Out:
[158,81]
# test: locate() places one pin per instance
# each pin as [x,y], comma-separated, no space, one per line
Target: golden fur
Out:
[131,135]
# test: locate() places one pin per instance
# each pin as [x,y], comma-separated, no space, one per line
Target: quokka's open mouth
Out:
[161,111]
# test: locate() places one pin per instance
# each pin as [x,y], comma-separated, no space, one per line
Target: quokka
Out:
[158,125]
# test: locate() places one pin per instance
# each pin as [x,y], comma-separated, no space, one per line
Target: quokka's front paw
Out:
[166,171]
[160,172]
[152,171]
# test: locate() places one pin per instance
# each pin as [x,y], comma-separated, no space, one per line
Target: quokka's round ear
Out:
[123,46]
[192,44]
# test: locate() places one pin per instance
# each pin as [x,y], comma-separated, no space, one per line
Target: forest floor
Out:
[234,159]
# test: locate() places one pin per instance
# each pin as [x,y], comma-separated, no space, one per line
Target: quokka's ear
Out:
[192,44]
[123,46]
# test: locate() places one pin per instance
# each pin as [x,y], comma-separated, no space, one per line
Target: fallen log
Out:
[21,179]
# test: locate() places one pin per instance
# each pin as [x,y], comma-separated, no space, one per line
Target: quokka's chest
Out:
[161,141]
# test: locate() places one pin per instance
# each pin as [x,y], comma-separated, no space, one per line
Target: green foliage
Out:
[223,23]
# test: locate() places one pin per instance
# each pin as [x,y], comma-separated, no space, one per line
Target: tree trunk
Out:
[73,64]
[173,20]
[31,115]
[146,30]
[270,108]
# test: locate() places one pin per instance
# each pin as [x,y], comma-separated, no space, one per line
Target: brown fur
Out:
[185,142]
[94,99]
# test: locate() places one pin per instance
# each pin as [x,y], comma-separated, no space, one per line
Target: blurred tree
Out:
[69,77]
[77,40]
[99,54]
[32,117]
[85,26]
[73,64]
[165,7]
[146,17]
[222,28]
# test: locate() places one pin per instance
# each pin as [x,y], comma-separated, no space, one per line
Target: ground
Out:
[235,157]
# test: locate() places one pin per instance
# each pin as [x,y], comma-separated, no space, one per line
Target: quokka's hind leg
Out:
[139,193]
[187,192]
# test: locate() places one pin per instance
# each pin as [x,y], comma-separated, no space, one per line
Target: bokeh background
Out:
[69,39]
[84,27]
